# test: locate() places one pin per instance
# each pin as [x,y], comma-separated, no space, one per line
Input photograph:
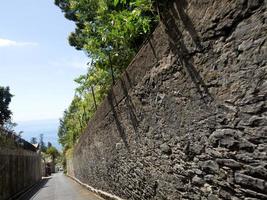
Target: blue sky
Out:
[36,60]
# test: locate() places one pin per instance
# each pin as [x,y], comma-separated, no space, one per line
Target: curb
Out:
[100,193]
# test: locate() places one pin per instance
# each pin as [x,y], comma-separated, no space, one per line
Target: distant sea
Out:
[34,128]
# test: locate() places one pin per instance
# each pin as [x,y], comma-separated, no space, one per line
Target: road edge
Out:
[102,194]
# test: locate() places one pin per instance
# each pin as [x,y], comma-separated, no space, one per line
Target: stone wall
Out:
[188,118]
[19,169]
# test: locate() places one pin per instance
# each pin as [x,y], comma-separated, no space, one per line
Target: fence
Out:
[11,140]
[20,164]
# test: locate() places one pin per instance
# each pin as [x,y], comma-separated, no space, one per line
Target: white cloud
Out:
[11,43]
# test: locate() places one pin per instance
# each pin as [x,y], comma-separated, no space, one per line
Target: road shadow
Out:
[34,190]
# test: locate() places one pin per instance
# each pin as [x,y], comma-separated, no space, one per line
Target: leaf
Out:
[102,31]
[116,2]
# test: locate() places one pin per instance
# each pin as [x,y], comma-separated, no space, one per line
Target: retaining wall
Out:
[188,118]
[19,169]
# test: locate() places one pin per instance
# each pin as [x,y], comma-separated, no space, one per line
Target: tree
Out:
[9,125]
[33,140]
[110,32]
[5,99]
[53,152]
[49,144]
[43,148]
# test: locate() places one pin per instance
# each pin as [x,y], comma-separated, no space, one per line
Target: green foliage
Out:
[6,141]
[5,99]
[8,138]
[9,126]
[110,32]
[43,148]
[75,120]
[7,133]
[52,152]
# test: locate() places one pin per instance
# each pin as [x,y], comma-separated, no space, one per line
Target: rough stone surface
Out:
[188,119]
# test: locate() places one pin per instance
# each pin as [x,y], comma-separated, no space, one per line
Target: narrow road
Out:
[59,187]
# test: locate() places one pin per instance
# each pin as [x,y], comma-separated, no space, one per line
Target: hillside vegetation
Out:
[110,32]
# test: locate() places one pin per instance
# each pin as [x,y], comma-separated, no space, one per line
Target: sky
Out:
[36,61]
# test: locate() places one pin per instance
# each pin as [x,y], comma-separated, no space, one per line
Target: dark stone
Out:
[198,181]
[225,138]
[209,166]
[249,181]
[229,163]
[209,178]
[165,148]
[213,197]
[225,194]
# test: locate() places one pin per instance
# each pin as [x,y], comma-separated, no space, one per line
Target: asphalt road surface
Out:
[59,187]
